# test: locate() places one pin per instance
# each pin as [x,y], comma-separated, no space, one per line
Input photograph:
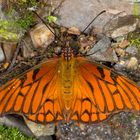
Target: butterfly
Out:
[69,88]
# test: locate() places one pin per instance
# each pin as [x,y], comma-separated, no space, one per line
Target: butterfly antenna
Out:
[93,21]
[46,25]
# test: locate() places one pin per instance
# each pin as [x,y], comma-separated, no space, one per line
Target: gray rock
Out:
[120,66]
[122,126]
[132,50]
[102,51]
[39,129]
[27,47]
[2,56]
[121,25]
[80,13]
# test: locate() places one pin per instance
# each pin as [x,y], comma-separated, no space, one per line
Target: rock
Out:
[120,66]
[86,43]
[124,44]
[27,47]
[132,50]
[63,29]
[6,65]
[74,31]
[57,50]
[39,129]
[113,129]
[41,36]
[120,38]
[2,56]
[9,50]
[121,25]
[102,51]
[80,13]
[132,63]
[120,52]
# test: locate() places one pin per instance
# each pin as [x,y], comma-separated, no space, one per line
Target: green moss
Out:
[13,27]
[51,19]
[134,38]
[12,134]
[135,41]
[136,8]
[25,18]
[8,30]
[26,21]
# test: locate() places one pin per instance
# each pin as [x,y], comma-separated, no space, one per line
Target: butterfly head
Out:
[67,52]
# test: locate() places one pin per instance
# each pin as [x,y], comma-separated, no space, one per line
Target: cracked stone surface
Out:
[79,13]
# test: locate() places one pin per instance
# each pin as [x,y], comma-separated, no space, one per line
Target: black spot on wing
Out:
[86,99]
[101,71]
[45,87]
[35,72]
[90,86]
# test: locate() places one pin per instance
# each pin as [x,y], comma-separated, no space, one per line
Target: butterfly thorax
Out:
[67,52]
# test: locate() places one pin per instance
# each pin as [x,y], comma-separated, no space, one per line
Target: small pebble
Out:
[133,50]
[57,50]
[133,63]
[63,29]
[5,65]
[120,52]
[74,31]
[124,44]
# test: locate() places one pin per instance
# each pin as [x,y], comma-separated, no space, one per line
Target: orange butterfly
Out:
[69,88]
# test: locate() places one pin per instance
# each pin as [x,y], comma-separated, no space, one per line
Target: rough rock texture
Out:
[102,51]
[79,13]
[41,36]
[123,126]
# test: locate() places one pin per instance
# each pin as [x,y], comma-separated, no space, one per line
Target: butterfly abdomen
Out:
[67,74]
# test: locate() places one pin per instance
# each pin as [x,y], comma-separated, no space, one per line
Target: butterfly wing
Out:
[34,94]
[98,93]
[101,92]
